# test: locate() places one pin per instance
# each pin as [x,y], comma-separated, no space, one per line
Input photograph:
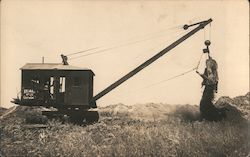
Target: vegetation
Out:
[120,134]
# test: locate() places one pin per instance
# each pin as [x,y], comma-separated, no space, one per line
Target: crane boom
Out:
[152,59]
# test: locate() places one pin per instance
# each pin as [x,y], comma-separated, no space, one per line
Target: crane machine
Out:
[69,89]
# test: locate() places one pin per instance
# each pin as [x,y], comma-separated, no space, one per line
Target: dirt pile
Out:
[236,108]
[23,114]
[115,110]
[140,130]
[187,112]
[147,112]
[152,111]
[2,110]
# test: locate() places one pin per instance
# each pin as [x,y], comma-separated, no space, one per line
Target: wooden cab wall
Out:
[79,88]
[74,89]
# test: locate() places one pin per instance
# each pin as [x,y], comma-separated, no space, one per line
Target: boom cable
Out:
[178,27]
[173,77]
[161,43]
[83,51]
[121,45]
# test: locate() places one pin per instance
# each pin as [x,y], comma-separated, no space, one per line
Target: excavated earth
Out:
[237,108]
[123,130]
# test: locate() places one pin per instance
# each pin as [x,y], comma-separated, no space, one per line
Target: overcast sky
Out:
[31,29]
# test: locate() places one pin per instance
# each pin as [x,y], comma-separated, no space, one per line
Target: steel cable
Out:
[118,46]
[173,77]
[127,42]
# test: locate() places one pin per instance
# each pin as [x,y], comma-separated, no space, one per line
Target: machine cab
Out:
[56,85]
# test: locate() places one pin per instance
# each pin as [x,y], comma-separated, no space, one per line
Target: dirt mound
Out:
[130,131]
[2,110]
[187,112]
[243,103]
[151,111]
[115,109]
[23,114]
[6,112]
[236,108]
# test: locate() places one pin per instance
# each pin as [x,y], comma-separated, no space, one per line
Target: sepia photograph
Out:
[138,78]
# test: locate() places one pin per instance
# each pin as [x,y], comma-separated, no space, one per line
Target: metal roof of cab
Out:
[51,66]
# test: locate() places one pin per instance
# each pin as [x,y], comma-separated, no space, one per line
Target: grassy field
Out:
[124,132]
